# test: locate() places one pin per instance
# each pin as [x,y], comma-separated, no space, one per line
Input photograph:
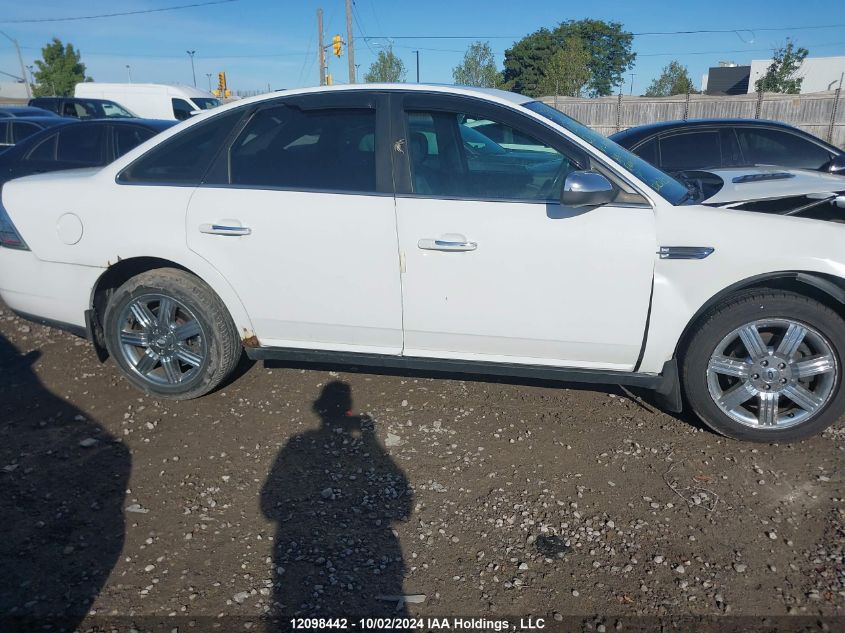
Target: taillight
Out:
[9,236]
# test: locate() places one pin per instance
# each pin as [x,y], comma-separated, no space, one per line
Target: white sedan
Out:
[372,225]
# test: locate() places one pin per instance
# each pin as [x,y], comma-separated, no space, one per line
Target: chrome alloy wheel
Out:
[162,340]
[772,373]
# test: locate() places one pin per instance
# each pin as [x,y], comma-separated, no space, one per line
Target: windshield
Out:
[205,103]
[662,183]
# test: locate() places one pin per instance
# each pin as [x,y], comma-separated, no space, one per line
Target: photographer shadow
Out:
[334,494]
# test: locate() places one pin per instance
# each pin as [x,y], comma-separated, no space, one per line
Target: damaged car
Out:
[374,226]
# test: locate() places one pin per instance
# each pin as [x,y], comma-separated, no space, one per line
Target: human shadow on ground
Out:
[334,495]
[63,479]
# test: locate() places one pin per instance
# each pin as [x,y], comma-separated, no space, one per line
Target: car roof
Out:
[490,94]
[25,110]
[44,120]
[642,131]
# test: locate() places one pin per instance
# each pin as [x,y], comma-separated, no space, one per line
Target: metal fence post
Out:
[833,114]
[686,105]
[619,111]
[759,104]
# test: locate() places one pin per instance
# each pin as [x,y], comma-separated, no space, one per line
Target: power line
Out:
[114,15]
[690,32]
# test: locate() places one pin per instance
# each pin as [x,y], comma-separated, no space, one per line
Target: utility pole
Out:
[349,43]
[193,70]
[417,53]
[321,52]
[20,61]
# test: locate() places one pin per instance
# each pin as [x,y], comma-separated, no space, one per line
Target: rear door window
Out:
[82,144]
[690,150]
[763,146]
[4,131]
[325,149]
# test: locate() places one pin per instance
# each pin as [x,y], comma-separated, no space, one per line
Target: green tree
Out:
[780,75]
[59,69]
[387,68]
[608,45]
[673,80]
[568,70]
[478,67]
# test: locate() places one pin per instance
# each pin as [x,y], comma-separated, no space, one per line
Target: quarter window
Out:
[452,156]
[127,137]
[289,148]
[775,147]
[184,158]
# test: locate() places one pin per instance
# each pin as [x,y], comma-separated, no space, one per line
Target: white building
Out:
[819,73]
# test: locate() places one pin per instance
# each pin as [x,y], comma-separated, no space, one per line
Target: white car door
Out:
[298,214]
[494,269]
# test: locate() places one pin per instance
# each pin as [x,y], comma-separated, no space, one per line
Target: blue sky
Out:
[261,42]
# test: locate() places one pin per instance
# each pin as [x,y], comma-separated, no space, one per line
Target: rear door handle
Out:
[448,242]
[226,227]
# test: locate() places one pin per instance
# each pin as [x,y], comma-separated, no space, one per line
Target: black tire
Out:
[217,335]
[737,311]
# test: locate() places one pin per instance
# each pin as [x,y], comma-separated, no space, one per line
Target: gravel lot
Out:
[314,492]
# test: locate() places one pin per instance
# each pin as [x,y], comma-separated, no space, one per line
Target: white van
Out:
[151,101]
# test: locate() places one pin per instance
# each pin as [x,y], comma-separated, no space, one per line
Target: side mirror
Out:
[586,189]
[837,165]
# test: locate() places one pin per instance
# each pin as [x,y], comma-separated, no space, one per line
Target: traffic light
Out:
[221,82]
[337,46]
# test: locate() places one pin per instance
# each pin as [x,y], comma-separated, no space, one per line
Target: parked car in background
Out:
[9,111]
[72,144]
[349,224]
[15,129]
[82,108]
[704,143]
[154,101]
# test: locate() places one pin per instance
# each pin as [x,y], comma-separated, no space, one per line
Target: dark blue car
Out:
[713,143]
[70,144]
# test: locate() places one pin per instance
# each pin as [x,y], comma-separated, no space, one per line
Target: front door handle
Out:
[448,242]
[225,227]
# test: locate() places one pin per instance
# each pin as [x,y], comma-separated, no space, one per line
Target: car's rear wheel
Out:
[766,366]
[170,334]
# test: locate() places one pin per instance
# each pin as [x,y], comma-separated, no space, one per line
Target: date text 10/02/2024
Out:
[430,623]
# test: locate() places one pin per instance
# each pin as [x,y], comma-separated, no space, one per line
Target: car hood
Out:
[742,184]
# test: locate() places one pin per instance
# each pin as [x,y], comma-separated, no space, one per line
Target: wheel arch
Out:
[825,288]
[124,269]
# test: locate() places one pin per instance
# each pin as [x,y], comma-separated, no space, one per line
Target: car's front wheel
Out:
[170,334]
[766,366]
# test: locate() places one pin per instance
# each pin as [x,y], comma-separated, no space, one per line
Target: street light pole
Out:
[20,61]
[209,81]
[632,83]
[417,53]
[129,72]
[193,70]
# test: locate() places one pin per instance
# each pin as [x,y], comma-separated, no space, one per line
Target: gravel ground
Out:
[297,491]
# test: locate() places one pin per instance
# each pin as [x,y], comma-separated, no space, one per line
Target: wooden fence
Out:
[819,113]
